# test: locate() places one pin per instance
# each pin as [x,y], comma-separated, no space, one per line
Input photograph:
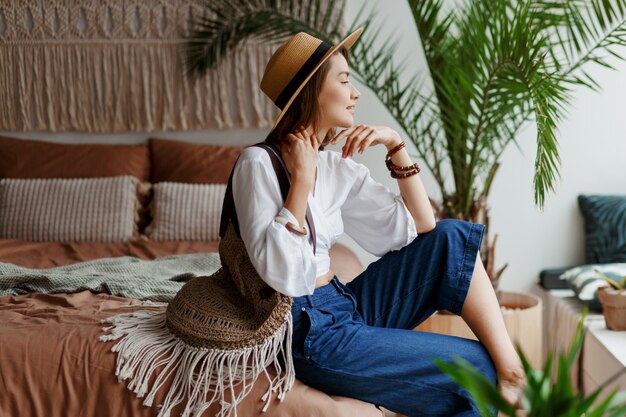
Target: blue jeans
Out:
[355,340]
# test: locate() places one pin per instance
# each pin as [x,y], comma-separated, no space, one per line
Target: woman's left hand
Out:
[359,137]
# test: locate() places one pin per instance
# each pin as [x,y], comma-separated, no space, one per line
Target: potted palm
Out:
[494,66]
[613,299]
[541,396]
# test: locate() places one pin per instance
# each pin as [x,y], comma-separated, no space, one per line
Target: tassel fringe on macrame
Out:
[201,376]
[117,66]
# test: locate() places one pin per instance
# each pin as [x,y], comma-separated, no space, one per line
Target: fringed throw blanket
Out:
[116,66]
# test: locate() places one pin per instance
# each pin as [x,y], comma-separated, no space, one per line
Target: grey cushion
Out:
[68,209]
[182,211]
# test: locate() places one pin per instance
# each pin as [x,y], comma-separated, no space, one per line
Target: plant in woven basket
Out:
[613,299]
[493,67]
[542,397]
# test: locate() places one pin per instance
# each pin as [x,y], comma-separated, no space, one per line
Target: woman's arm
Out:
[300,157]
[413,192]
[297,197]
[283,259]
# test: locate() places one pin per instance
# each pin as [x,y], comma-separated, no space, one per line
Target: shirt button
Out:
[308,357]
[303,308]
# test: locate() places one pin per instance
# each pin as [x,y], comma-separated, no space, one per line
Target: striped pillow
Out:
[68,209]
[183,211]
[585,280]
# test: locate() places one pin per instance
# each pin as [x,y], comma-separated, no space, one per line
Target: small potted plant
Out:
[541,397]
[613,299]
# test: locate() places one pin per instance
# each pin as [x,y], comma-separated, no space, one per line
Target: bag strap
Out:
[284,181]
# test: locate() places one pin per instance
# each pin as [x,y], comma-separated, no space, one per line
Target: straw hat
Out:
[293,64]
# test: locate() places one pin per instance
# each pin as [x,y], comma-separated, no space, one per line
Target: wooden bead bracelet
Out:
[399,172]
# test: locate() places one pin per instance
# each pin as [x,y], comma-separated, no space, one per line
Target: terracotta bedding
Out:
[53,364]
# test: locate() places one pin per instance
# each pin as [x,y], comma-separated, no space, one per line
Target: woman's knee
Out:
[450,225]
[476,354]
[448,229]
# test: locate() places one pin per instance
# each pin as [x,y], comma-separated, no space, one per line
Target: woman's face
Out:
[338,96]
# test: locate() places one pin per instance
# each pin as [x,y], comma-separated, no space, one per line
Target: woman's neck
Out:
[320,134]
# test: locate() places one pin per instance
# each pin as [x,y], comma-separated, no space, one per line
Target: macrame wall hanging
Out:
[116,66]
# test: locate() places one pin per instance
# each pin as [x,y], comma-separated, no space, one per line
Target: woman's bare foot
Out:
[511,384]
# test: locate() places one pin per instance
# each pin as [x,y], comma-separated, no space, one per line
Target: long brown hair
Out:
[305,107]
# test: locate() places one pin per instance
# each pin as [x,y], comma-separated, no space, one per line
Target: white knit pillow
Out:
[68,209]
[183,211]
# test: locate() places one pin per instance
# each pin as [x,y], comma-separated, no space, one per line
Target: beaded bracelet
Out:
[398,171]
[395,149]
[392,167]
[396,175]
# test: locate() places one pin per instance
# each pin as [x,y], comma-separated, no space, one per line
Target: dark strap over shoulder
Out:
[284,181]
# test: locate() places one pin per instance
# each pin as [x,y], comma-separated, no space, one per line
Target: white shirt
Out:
[346,199]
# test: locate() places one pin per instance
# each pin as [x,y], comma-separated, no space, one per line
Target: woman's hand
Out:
[359,137]
[300,155]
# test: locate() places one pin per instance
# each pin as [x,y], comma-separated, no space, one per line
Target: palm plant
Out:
[613,281]
[494,66]
[544,395]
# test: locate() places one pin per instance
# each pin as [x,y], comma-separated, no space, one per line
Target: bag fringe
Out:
[146,344]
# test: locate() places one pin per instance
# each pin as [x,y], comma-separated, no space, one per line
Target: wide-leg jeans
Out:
[355,339]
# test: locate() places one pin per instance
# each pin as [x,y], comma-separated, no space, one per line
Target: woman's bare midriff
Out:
[324,279]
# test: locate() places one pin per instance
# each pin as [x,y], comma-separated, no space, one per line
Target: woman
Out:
[355,339]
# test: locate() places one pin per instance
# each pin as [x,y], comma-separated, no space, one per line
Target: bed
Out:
[68,206]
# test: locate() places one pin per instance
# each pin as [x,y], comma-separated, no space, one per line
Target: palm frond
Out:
[487,76]
[580,32]
[227,24]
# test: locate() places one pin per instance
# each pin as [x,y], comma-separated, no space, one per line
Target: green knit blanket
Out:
[125,276]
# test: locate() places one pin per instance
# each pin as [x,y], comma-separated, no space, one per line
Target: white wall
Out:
[592,148]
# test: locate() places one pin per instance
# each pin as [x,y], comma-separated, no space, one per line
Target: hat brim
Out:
[347,42]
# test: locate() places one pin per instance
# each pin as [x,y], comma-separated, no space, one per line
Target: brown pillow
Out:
[177,161]
[25,158]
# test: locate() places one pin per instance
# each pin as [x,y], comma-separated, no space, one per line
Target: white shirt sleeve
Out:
[377,219]
[283,259]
